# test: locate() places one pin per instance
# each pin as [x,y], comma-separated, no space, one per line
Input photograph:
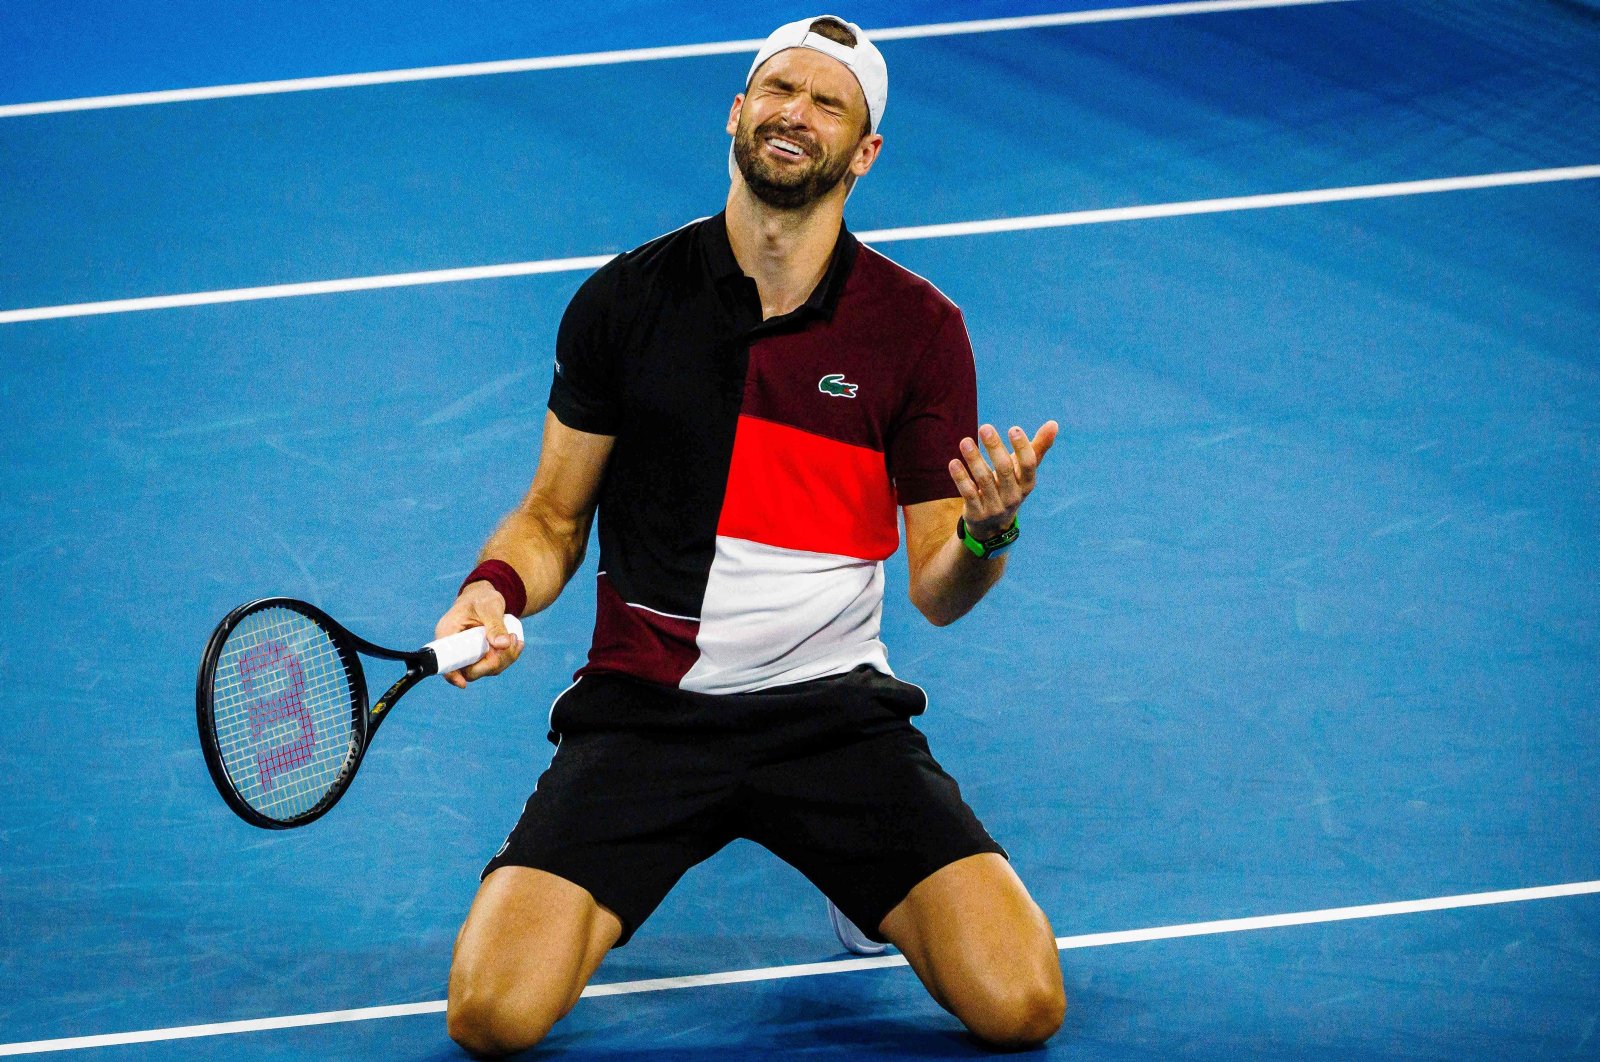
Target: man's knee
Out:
[529,945]
[489,1024]
[1015,1012]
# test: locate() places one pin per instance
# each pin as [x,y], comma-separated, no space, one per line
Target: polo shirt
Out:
[750,497]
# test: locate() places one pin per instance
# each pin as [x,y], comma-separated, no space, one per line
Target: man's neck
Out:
[786,252]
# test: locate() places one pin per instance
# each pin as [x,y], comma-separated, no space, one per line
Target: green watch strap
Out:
[983,550]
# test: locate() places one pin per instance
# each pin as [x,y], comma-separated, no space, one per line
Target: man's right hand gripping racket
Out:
[282,705]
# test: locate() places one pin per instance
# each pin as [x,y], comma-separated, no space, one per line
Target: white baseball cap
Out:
[863,60]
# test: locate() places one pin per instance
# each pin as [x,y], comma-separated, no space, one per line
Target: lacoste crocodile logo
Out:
[834,384]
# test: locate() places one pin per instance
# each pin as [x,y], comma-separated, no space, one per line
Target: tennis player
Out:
[747,401]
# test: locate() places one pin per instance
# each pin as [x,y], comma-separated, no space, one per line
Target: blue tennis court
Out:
[1307,616]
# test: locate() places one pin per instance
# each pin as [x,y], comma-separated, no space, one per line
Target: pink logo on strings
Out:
[257,666]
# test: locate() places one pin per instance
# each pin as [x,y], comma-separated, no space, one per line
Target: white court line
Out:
[313,287]
[627,55]
[913,232]
[773,973]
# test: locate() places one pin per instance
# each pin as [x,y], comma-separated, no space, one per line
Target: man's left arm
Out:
[947,577]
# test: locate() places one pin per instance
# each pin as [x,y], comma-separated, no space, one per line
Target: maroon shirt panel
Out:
[903,345]
[941,409]
[636,641]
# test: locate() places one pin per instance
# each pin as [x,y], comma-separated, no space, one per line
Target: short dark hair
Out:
[839,33]
[834,30]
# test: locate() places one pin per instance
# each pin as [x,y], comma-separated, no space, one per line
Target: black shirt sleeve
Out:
[583,393]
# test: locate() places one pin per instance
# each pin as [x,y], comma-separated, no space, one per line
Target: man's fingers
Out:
[1027,459]
[509,654]
[982,475]
[999,456]
[453,622]
[489,665]
[494,626]
[975,500]
[495,662]
[1044,438]
[964,484]
[502,647]
[1010,487]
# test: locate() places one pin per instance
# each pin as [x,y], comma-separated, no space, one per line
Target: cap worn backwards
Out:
[863,60]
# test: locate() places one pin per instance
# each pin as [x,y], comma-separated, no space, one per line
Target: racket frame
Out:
[365,720]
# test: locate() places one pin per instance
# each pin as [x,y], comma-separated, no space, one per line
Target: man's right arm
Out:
[543,540]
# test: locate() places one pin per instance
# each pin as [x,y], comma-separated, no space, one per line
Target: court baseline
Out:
[912,232]
[815,969]
[628,55]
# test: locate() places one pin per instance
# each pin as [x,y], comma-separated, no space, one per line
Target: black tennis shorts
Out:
[828,775]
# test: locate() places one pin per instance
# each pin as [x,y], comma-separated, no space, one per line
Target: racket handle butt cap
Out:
[467,647]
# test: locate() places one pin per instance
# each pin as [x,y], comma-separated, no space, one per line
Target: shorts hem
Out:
[505,859]
[869,928]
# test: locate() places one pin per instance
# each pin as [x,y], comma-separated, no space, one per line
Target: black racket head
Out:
[281,704]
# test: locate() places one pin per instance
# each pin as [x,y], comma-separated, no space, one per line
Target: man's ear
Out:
[733,113]
[866,154]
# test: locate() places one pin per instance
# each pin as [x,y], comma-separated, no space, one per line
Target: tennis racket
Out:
[282,705]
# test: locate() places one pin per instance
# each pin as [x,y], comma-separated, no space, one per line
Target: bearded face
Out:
[786,167]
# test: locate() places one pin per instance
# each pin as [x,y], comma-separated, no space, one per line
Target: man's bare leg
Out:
[530,944]
[984,950]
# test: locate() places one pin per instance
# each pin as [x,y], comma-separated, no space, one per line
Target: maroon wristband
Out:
[504,578]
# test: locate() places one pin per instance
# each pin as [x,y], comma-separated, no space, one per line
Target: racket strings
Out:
[283,712]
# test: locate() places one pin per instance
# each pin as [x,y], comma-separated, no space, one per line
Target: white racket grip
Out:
[467,647]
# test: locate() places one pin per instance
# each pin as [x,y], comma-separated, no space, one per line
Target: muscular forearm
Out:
[542,540]
[544,549]
[952,580]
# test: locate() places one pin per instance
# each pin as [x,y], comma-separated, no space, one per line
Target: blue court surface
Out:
[1306,615]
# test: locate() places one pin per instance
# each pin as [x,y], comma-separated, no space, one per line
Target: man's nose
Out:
[796,112]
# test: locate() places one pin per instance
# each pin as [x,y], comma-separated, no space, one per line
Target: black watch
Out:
[987,548]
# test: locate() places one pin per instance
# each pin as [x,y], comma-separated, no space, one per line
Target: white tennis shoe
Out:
[851,936]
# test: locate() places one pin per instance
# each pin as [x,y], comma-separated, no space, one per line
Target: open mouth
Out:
[786,148]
